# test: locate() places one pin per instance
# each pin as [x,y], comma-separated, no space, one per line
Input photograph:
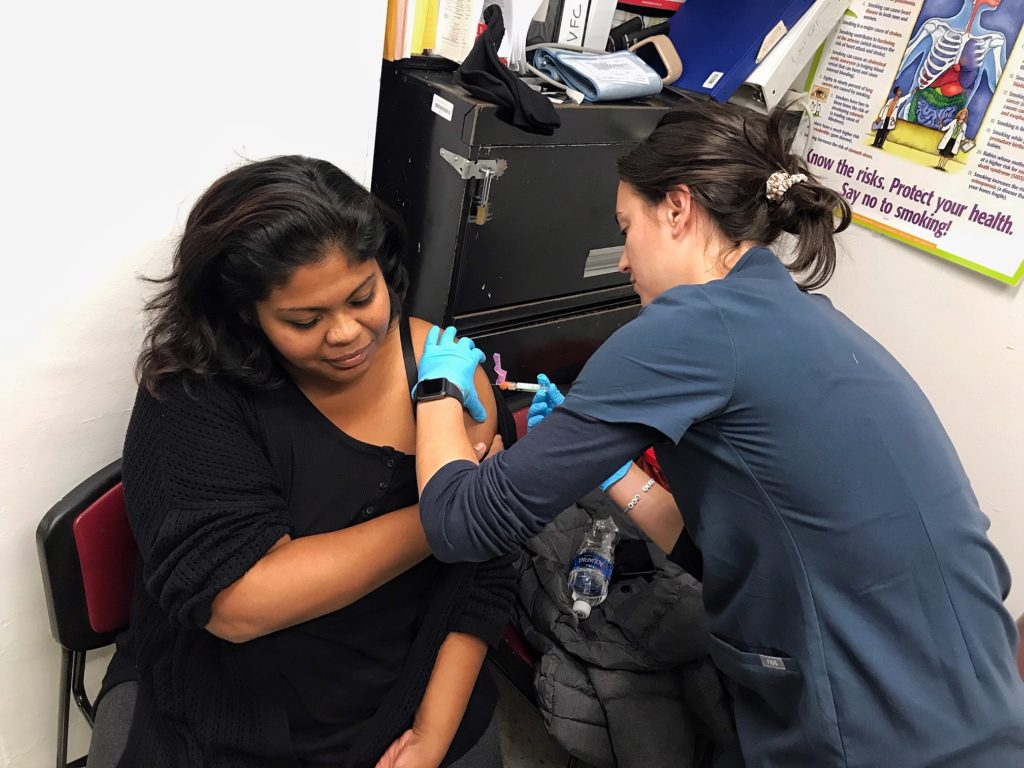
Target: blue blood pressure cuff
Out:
[599,76]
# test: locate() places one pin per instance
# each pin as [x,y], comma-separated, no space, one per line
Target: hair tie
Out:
[780,182]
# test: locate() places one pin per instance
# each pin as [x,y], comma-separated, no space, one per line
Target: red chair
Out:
[87,557]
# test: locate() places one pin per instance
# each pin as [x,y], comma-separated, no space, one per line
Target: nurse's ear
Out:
[679,209]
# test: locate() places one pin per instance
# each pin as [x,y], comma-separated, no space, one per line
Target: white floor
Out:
[524,742]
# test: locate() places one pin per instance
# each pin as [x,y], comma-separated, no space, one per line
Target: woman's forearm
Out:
[301,579]
[451,684]
[655,512]
[440,438]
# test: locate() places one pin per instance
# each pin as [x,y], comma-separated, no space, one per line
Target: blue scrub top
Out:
[854,600]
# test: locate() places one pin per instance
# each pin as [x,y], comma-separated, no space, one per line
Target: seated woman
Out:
[286,610]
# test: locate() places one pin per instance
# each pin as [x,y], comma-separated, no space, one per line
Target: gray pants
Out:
[114,718]
[110,731]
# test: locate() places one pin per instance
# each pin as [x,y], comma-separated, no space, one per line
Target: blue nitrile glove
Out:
[616,476]
[544,402]
[445,358]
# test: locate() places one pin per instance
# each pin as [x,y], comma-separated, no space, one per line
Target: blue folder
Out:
[718,41]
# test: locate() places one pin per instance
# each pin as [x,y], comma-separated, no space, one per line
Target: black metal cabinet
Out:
[512,235]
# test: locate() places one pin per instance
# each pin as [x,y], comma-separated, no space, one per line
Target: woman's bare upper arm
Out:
[482,432]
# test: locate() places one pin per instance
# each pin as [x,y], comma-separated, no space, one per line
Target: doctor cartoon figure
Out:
[887,118]
[954,136]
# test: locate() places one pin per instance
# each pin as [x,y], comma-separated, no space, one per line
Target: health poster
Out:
[919,120]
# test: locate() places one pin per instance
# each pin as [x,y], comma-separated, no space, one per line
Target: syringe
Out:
[520,386]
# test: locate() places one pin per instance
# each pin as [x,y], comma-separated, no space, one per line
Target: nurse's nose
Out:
[623,262]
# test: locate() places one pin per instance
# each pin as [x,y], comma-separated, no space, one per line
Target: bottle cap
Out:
[581,608]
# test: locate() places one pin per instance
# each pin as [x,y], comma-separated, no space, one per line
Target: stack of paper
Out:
[411,27]
[517,14]
[449,28]
[457,23]
[443,27]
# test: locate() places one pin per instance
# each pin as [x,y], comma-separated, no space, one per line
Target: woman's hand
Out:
[483,451]
[445,358]
[413,750]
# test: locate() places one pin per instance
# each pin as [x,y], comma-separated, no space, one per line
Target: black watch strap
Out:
[436,389]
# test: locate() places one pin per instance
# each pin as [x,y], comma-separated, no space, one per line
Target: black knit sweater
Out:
[205,504]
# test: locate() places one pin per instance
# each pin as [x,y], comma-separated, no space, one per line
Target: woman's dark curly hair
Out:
[244,237]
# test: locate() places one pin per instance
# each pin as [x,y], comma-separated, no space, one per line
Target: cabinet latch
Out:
[486,171]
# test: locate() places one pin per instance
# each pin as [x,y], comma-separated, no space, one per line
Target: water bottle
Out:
[592,567]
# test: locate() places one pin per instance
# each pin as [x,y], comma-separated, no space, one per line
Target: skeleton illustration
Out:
[945,50]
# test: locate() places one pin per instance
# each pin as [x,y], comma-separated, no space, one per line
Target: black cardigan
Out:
[204,505]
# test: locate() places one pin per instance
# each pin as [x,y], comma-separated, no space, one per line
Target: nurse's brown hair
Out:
[725,154]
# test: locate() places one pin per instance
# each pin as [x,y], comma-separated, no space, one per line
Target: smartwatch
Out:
[434,389]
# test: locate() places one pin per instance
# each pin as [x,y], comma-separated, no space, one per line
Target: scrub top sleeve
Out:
[477,513]
[672,366]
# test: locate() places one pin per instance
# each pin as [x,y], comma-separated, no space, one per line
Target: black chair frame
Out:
[66,604]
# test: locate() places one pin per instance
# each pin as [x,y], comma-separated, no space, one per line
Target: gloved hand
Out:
[445,358]
[544,402]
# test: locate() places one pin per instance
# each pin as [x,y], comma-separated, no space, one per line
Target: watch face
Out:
[430,388]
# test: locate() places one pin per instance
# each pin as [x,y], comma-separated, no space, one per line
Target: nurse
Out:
[853,598]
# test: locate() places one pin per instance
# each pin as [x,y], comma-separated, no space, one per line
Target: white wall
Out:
[115,116]
[961,336]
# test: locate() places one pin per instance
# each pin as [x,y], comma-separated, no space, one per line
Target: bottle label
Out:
[590,560]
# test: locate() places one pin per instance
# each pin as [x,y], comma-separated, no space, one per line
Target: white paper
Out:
[599,23]
[410,28]
[611,69]
[517,15]
[574,22]
[457,22]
